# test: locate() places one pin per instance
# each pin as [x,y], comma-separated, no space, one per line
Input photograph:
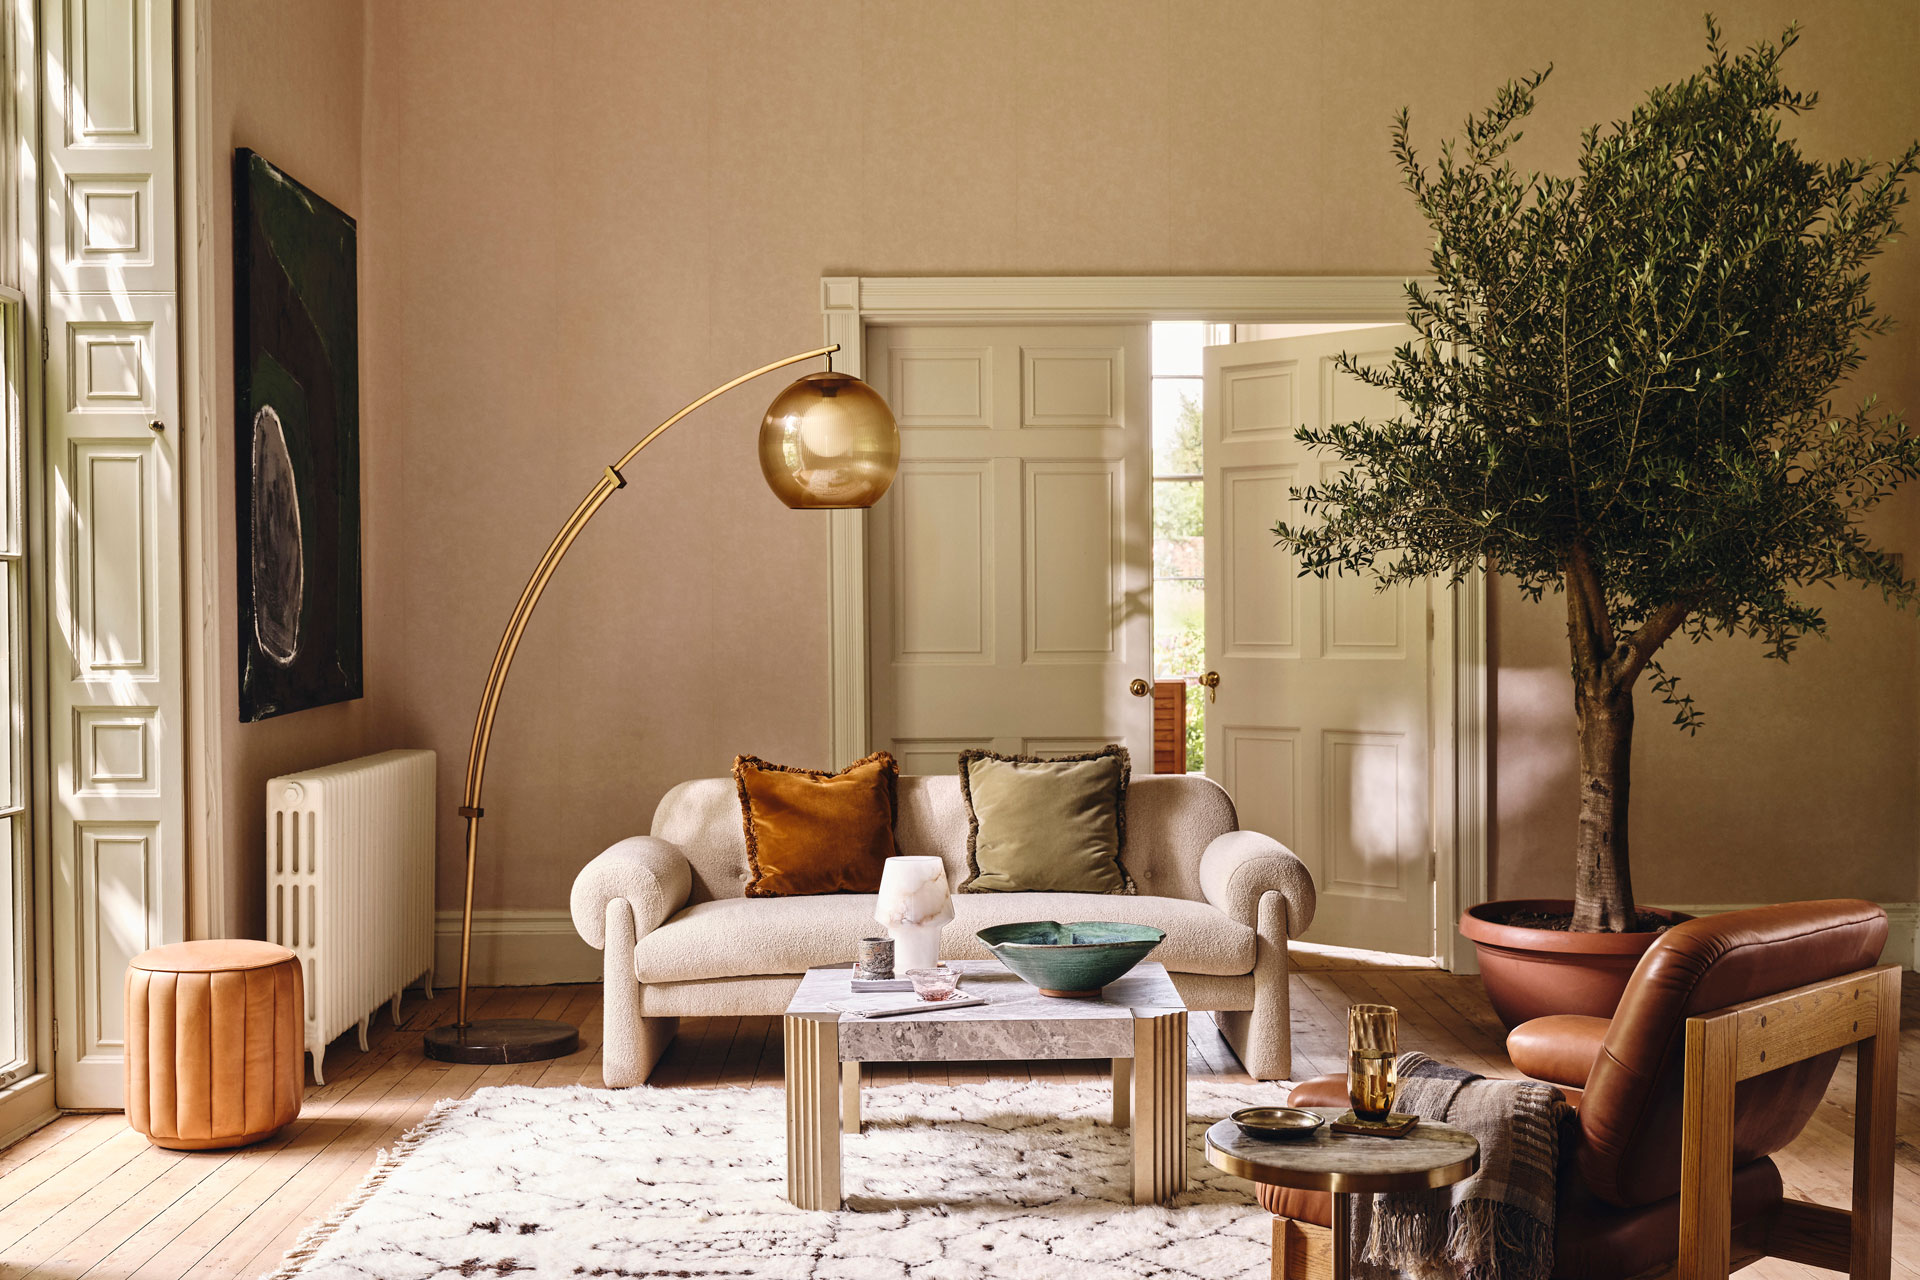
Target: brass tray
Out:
[1286,1123]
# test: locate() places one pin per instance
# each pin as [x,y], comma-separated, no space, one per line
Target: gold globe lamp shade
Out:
[829,441]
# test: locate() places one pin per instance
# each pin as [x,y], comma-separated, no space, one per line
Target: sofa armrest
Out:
[651,874]
[1239,866]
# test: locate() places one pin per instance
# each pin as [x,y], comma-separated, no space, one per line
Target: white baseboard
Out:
[25,1105]
[1903,926]
[513,949]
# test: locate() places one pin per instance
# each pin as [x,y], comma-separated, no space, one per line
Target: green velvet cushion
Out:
[1057,825]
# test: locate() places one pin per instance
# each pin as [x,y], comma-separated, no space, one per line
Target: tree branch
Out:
[1587,604]
[1638,649]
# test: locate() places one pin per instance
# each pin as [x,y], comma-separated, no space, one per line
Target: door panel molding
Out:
[1356,673]
[115,664]
[1008,568]
[850,305]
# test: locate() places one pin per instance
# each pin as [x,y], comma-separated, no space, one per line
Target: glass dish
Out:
[934,984]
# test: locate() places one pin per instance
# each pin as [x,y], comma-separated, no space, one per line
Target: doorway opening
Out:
[1179,544]
[1016,396]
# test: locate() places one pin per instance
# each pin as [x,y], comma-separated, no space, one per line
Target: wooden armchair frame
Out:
[1747,1040]
[1723,1048]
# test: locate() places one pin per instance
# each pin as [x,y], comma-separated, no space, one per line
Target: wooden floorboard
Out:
[86,1196]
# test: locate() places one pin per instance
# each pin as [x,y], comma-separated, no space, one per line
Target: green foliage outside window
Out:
[1179,566]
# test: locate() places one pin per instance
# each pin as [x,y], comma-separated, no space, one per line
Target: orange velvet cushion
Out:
[814,832]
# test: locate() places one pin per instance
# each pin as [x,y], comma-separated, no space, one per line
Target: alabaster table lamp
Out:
[827,441]
[914,906]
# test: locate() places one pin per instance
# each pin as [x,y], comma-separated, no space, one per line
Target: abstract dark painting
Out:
[296,444]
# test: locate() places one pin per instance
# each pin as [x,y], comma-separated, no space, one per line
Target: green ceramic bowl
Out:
[1071,959]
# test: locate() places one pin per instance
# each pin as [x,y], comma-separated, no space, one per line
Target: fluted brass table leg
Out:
[1122,1088]
[1159,1105]
[1342,1235]
[813,1110]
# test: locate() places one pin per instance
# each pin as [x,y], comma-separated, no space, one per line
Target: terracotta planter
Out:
[1530,973]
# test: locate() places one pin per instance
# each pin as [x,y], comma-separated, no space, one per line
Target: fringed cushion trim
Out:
[1120,809]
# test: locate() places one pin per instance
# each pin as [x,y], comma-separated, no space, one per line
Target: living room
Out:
[1198,501]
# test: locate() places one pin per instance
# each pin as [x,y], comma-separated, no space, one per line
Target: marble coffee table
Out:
[1139,1022]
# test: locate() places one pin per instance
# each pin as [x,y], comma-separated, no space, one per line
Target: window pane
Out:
[12,673]
[1176,347]
[15,1044]
[1179,545]
[1176,426]
[12,449]
[13,994]
[1179,618]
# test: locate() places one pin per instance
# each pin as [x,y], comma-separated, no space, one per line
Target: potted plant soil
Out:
[1623,395]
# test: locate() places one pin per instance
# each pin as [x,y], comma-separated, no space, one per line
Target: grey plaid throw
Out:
[1496,1225]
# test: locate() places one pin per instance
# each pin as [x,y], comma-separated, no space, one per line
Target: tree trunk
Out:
[1603,885]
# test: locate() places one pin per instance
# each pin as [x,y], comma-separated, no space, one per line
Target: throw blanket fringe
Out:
[1496,1225]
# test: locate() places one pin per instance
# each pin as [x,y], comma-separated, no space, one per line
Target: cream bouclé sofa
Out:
[682,940]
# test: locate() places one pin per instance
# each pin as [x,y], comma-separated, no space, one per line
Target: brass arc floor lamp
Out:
[827,441]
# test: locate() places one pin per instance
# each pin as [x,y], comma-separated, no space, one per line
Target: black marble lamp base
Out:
[487,1041]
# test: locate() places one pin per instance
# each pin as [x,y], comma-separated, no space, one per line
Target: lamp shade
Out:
[829,440]
[914,905]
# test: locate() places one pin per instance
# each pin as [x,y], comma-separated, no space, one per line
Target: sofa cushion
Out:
[745,937]
[1171,818]
[810,832]
[1055,824]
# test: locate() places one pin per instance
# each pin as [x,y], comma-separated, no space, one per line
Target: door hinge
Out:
[56,1035]
[46,346]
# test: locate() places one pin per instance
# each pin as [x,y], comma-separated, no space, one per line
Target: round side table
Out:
[1433,1155]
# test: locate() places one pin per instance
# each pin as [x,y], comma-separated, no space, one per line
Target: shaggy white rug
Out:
[1001,1179]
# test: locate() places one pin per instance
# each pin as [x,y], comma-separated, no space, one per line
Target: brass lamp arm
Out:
[610,482]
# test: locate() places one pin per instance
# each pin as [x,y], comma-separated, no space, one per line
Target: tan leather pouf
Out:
[215,1033]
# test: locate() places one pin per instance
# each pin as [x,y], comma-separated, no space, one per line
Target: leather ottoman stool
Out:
[215,1035]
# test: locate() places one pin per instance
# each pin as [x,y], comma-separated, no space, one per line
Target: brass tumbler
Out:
[1373,1044]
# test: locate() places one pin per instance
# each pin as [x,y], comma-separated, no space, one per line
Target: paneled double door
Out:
[1010,586]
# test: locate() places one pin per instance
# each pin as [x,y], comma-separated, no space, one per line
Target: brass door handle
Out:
[1139,688]
[1211,683]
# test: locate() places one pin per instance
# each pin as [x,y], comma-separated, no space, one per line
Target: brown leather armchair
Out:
[1722,1046]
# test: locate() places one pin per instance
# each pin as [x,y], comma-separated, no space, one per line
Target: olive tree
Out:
[1623,391]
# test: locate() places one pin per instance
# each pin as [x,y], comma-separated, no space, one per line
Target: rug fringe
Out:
[384,1163]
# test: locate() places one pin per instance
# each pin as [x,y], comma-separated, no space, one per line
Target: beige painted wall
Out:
[285,78]
[584,214]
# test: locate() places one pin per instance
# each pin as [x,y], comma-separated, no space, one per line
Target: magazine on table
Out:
[888,1004]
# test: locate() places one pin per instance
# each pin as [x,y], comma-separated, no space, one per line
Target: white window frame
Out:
[1214,338]
[27,1101]
[16,766]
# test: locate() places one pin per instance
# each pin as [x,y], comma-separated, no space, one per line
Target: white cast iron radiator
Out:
[350,886]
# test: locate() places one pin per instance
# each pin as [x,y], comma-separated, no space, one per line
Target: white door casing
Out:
[1009,576]
[1322,730]
[115,675]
